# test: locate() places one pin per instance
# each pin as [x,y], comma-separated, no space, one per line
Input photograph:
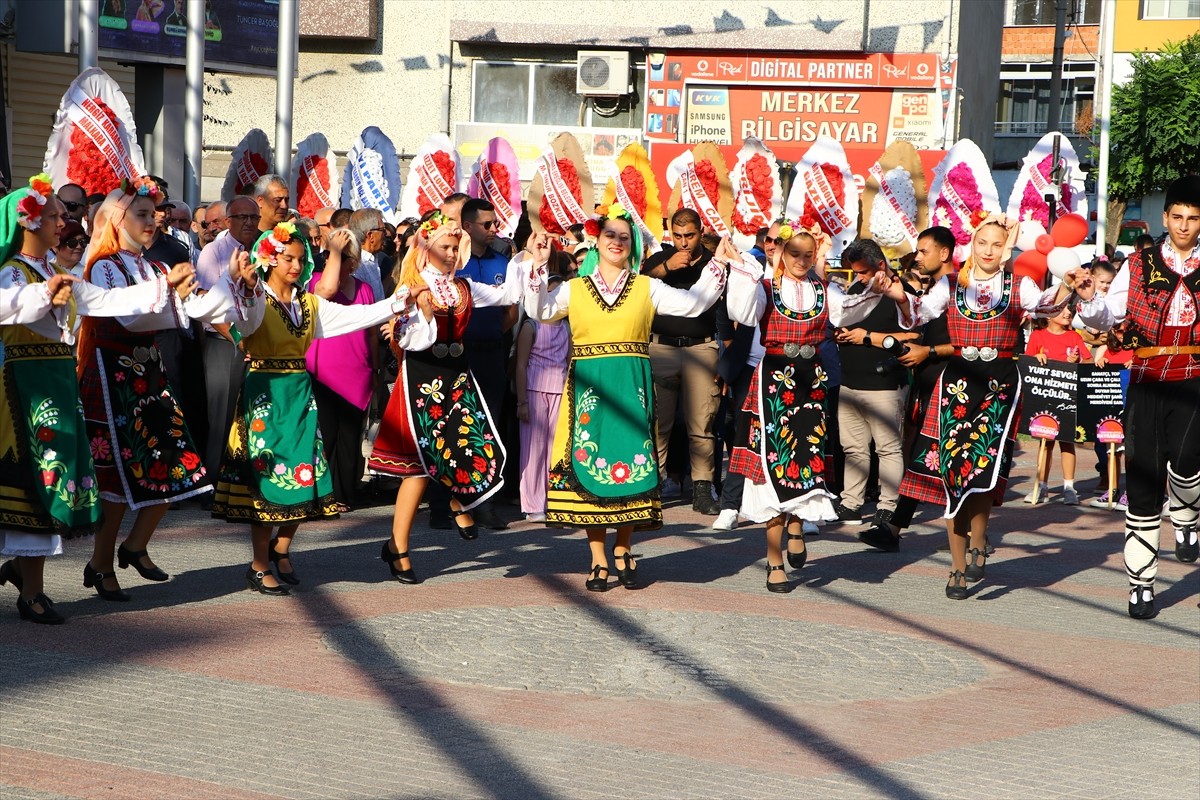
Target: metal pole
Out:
[89,33]
[1054,114]
[289,43]
[1108,23]
[193,104]
[1055,192]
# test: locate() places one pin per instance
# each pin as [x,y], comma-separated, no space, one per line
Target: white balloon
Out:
[1061,260]
[1027,237]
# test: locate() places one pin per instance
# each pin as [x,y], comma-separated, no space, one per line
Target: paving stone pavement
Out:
[500,677]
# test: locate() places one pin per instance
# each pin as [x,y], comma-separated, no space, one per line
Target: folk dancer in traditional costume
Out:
[48,489]
[437,424]
[781,432]
[964,450]
[144,455]
[1157,295]
[603,469]
[275,474]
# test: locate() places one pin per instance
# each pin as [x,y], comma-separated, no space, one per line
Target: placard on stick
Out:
[1048,405]
[1101,401]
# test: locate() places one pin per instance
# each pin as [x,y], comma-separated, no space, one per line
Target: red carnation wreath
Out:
[86,165]
[635,187]
[260,168]
[445,165]
[758,175]
[834,175]
[308,203]
[707,174]
[570,177]
[503,180]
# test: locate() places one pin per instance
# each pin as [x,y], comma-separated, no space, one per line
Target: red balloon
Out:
[1031,264]
[1069,230]
[1044,244]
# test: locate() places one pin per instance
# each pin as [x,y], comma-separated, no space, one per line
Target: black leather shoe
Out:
[797,560]
[595,583]
[974,571]
[702,499]
[276,557]
[94,578]
[470,532]
[777,588]
[254,579]
[1141,602]
[408,576]
[627,574]
[1187,545]
[881,538]
[48,616]
[9,574]
[956,588]
[133,558]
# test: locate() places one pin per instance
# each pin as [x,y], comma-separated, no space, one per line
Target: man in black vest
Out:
[683,356]
[871,401]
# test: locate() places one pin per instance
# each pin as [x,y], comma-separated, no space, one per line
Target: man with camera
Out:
[871,402]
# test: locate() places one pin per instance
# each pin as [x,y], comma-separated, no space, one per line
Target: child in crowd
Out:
[1057,341]
[541,372]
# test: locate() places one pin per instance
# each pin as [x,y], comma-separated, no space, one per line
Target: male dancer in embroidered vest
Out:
[964,451]
[1157,295]
[603,469]
[48,488]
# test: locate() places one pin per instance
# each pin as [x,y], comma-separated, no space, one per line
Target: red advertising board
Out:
[863,100]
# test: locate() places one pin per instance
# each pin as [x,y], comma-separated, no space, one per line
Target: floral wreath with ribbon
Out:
[29,207]
[592,229]
[265,253]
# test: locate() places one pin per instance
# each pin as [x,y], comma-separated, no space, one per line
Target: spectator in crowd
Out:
[759,250]
[343,369]
[272,195]
[224,365]
[934,260]
[451,207]
[75,201]
[72,242]
[871,401]
[683,357]
[322,219]
[540,374]
[197,227]
[1106,352]
[1054,340]
[367,226]
[209,224]
[741,351]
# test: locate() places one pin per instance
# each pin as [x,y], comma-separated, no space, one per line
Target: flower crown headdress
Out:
[592,229]
[29,207]
[436,226]
[981,217]
[806,224]
[273,242]
[141,186]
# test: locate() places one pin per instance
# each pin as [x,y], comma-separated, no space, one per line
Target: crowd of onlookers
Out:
[878,374]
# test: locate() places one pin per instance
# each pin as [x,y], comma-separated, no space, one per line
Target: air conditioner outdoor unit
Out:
[602,72]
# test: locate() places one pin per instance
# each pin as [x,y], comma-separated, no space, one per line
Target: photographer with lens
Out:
[874,385]
[926,357]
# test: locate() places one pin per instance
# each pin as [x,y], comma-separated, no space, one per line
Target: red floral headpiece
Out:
[141,186]
[29,207]
[271,244]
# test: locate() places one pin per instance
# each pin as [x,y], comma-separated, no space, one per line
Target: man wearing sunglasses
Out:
[210,226]
[74,199]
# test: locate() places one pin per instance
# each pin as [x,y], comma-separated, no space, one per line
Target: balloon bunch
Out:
[1051,251]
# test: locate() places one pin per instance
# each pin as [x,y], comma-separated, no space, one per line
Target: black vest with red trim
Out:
[1152,286]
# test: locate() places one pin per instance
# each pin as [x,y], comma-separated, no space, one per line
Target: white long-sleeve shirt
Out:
[147,298]
[1103,312]
[549,305]
[413,331]
[982,295]
[21,305]
[483,295]
[217,305]
[747,297]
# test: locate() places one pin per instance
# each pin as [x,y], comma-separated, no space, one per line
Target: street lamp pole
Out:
[289,43]
[193,103]
[1108,24]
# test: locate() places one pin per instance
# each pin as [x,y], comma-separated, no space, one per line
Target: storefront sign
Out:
[237,33]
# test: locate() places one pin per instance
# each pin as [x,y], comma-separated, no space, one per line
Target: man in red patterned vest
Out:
[1157,295]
